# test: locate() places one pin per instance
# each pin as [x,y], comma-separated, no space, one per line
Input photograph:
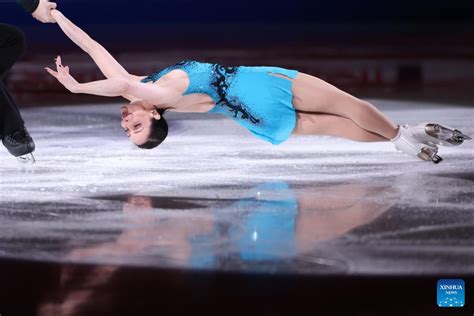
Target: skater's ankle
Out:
[398,132]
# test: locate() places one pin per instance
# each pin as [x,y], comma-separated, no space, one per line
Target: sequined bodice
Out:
[211,79]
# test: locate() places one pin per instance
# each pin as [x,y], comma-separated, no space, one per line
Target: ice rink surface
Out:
[213,197]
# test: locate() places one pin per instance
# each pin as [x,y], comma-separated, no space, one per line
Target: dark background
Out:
[148,22]
[158,12]
[415,49]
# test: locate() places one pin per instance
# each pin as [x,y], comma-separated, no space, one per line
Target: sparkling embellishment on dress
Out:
[221,84]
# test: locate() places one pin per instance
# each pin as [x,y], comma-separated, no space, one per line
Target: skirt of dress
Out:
[268,100]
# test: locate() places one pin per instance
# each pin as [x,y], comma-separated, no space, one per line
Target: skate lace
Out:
[19,137]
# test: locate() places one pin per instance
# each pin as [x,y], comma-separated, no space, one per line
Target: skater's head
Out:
[144,124]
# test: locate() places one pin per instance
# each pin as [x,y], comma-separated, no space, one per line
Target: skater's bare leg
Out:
[332,125]
[315,95]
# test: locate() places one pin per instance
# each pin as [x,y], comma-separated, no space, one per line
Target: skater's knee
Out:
[348,106]
[359,110]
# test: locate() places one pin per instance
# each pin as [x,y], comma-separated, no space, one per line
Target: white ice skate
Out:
[26,159]
[405,142]
[436,134]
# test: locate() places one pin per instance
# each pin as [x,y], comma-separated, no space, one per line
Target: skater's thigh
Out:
[333,125]
[318,124]
[311,94]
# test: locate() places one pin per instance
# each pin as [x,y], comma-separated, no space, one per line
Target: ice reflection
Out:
[269,223]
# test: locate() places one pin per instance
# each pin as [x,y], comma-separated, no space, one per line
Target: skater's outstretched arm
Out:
[114,87]
[104,60]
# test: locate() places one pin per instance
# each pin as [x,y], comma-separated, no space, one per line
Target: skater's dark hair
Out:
[158,132]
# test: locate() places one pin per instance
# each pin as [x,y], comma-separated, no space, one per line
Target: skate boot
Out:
[21,145]
[405,142]
[431,133]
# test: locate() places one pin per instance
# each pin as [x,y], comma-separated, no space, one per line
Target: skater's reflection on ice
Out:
[271,221]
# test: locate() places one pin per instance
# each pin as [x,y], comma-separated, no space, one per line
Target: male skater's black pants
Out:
[12,47]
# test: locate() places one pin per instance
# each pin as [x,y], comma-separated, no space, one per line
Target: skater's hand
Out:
[63,76]
[43,11]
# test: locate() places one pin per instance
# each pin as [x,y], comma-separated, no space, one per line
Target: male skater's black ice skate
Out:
[21,145]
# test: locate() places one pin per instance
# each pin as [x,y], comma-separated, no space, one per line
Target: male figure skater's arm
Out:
[107,64]
[40,9]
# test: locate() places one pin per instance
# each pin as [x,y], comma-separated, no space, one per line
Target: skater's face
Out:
[137,121]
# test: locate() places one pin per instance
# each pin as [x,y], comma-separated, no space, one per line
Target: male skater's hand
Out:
[43,11]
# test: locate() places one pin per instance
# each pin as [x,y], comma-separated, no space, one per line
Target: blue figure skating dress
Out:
[252,96]
[261,230]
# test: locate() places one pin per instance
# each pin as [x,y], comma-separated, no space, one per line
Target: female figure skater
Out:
[271,102]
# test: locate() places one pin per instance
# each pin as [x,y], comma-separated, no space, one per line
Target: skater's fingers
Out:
[63,71]
[52,72]
[58,62]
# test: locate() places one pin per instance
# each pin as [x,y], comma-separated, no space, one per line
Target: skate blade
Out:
[445,135]
[429,154]
[461,135]
[436,159]
[26,159]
